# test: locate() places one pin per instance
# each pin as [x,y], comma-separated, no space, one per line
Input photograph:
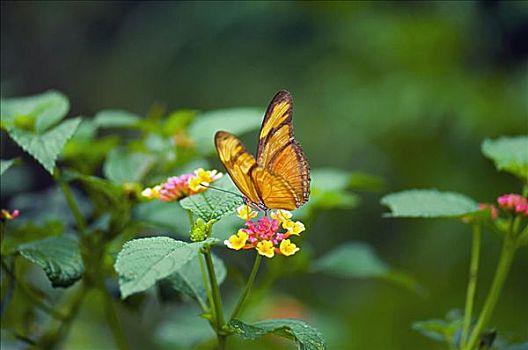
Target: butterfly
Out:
[279,177]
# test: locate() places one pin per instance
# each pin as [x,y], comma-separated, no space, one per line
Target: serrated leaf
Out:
[211,204]
[142,262]
[45,109]
[509,154]
[121,167]
[60,257]
[5,164]
[428,204]
[305,336]
[234,120]
[115,118]
[189,280]
[351,260]
[46,147]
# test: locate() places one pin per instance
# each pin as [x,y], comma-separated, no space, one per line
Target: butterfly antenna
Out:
[222,190]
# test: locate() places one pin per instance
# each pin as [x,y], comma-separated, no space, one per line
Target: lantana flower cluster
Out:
[268,235]
[514,202]
[511,202]
[179,187]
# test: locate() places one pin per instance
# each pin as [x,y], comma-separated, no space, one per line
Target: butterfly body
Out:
[279,176]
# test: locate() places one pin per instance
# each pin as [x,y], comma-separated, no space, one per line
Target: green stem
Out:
[72,203]
[503,267]
[472,283]
[29,293]
[113,321]
[247,288]
[59,329]
[217,298]
[206,286]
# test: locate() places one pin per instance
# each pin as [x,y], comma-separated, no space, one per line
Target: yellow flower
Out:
[281,215]
[203,177]
[266,248]
[237,241]
[245,212]
[288,248]
[293,228]
[151,192]
[195,184]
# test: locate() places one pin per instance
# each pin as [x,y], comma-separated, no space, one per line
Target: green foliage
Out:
[200,230]
[352,260]
[45,147]
[142,262]
[509,154]
[211,204]
[114,118]
[60,257]
[189,279]
[358,260]
[5,164]
[234,120]
[36,113]
[183,329]
[428,204]
[123,167]
[329,191]
[440,330]
[305,336]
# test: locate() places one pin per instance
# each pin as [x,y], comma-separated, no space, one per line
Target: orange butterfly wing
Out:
[238,163]
[281,155]
[280,177]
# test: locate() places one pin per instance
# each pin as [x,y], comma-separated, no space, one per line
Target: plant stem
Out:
[472,283]
[113,321]
[503,267]
[59,329]
[247,288]
[217,298]
[72,203]
[206,286]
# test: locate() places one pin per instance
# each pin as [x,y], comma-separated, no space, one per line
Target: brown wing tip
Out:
[282,95]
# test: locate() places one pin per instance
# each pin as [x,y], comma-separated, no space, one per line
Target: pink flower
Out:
[494,212]
[6,215]
[264,236]
[514,202]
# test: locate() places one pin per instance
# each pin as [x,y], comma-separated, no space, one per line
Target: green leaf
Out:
[428,204]
[189,280]
[237,121]
[351,260]
[121,167]
[509,154]
[211,204]
[328,191]
[114,118]
[191,329]
[305,336]
[60,257]
[142,262]
[45,148]
[5,164]
[165,215]
[359,260]
[41,111]
[439,330]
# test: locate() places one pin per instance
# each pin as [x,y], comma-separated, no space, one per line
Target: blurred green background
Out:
[403,90]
